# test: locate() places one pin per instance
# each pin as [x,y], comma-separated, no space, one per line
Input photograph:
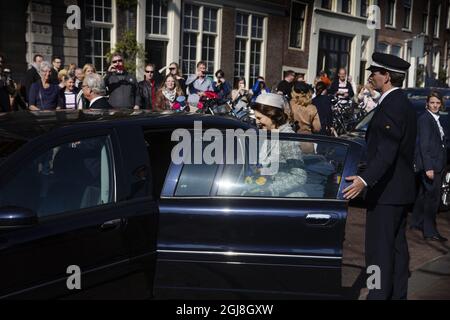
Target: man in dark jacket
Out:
[147,88]
[56,67]
[431,160]
[94,91]
[32,75]
[340,87]
[389,178]
[285,86]
[120,85]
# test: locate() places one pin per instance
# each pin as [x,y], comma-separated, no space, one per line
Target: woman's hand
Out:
[33,108]
[430,174]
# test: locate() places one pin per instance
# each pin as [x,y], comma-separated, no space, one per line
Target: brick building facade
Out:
[245,39]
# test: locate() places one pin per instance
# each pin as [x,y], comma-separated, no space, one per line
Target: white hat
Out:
[271,99]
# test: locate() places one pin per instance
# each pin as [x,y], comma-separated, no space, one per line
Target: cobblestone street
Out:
[427,259]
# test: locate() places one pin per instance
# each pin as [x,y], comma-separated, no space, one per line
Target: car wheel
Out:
[445,192]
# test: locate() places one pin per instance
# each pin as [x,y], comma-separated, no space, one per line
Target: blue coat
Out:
[431,153]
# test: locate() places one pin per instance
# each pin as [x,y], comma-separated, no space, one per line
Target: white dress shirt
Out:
[436,117]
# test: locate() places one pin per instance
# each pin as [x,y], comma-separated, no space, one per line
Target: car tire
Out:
[445,192]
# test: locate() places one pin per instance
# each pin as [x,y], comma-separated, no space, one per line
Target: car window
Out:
[70,176]
[303,170]
[196,180]
[364,123]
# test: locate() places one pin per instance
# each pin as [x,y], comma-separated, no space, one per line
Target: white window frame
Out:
[249,39]
[427,26]
[436,36]
[200,33]
[302,47]
[359,9]
[448,15]
[106,25]
[156,36]
[352,5]
[394,16]
[410,17]
[436,61]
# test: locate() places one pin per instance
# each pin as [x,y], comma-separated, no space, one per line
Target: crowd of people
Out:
[49,86]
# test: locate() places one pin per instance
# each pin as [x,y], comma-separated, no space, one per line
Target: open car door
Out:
[231,231]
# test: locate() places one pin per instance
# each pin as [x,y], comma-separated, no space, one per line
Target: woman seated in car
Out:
[288,175]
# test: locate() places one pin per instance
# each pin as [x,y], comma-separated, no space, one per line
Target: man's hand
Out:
[111,68]
[355,188]
[430,174]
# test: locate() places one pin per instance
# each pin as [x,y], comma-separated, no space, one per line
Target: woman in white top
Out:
[368,97]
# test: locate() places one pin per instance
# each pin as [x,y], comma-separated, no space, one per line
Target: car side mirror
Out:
[17,217]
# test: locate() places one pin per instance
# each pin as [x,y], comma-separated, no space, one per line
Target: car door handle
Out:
[318,218]
[111,224]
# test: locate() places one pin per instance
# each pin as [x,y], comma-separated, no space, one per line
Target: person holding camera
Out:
[198,84]
[222,87]
[258,88]
[121,86]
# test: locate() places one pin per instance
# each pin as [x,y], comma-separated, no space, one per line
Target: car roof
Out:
[26,125]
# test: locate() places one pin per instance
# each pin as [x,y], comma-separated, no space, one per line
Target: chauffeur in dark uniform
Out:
[389,178]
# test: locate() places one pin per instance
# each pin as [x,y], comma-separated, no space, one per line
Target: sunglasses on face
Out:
[149,71]
[117,61]
[172,68]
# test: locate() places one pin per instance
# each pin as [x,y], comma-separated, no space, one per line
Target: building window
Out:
[425,19]
[156,17]
[327,4]
[248,46]
[437,18]
[407,14]
[298,13]
[382,47]
[396,50]
[347,6]
[199,26]
[98,33]
[156,33]
[334,53]
[390,12]
[363,8]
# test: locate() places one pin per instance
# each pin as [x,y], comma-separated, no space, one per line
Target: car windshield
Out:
[417,94]
[8,146]
[364,123]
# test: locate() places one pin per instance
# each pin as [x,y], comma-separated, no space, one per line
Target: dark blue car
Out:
[99,193]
